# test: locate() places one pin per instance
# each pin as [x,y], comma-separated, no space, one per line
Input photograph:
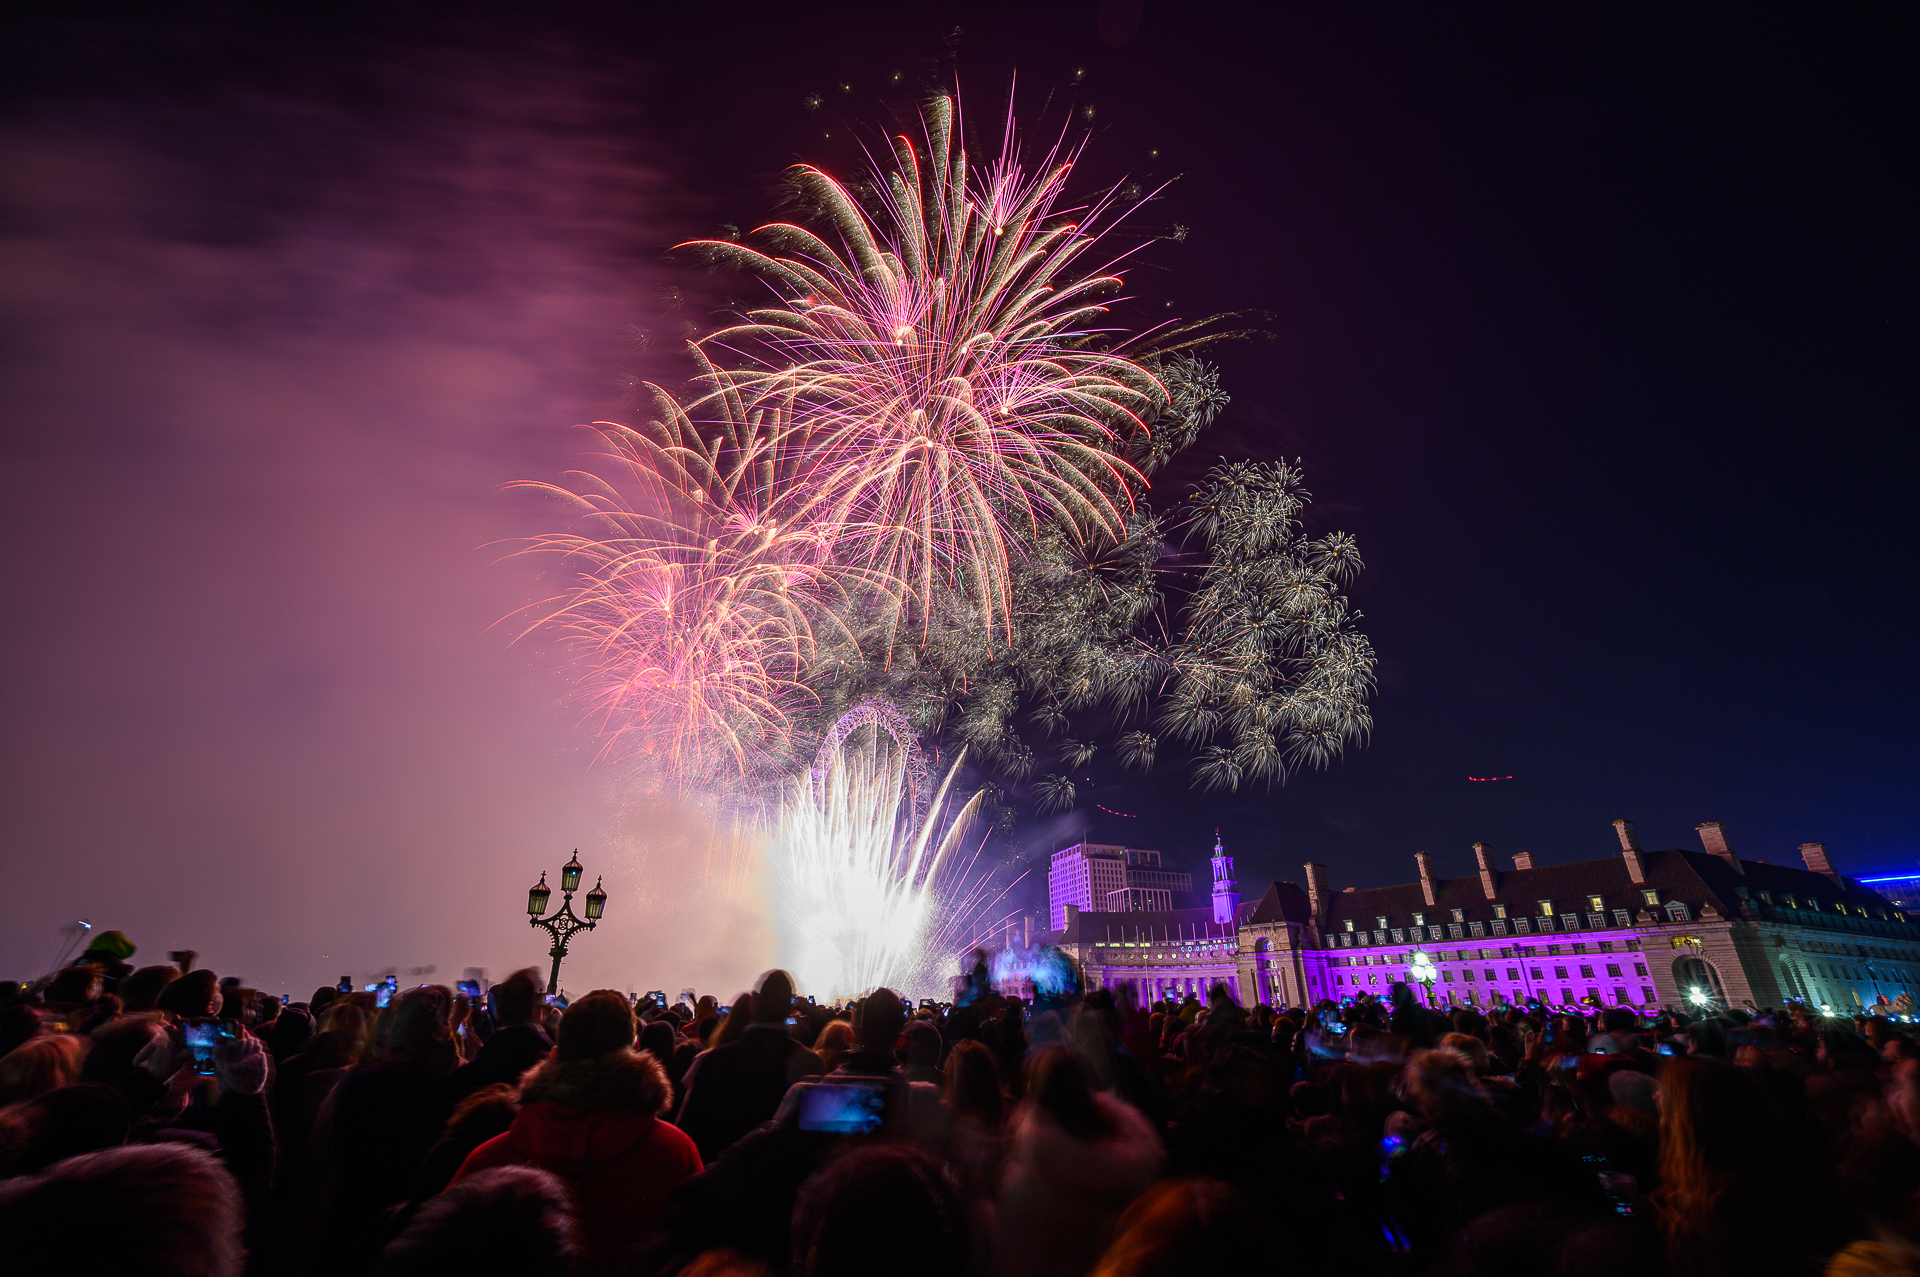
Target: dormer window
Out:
[1766,898]
[1546,908]
[1349,922]
[1381,922]
[1459,915]
[1419,919]
[1500,911]
[1651,897]
[1595,904]
[1813,904]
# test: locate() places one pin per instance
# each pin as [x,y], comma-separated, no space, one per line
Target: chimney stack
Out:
[1630,850]
[1815,854]
[1425,862]
[1317,891]
[1713,836]
[1484,855]
[1523,860]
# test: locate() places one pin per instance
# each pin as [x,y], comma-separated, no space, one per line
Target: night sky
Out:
[1595,327]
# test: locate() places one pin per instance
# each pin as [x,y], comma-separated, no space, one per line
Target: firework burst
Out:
[937,365]
[868,894]
[698,597]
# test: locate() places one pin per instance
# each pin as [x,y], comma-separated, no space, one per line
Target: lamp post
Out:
[1421,969]
[562,925]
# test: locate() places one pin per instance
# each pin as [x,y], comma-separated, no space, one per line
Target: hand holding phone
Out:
[844,1106]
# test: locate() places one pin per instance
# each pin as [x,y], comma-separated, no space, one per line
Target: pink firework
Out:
[697,603]
[935,373]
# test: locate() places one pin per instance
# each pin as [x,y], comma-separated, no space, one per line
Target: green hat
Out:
[114,943]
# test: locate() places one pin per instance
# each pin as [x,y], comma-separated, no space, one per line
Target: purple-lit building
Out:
[1640,928]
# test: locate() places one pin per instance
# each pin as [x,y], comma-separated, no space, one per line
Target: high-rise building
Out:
[1105,878]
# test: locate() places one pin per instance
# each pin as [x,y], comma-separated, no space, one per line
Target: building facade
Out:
[1110,879]
[1641,928]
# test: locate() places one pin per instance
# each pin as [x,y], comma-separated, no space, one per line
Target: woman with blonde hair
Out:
[834,1041]
[39,1065]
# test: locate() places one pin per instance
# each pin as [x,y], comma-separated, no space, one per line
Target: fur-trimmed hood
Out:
[625,1079]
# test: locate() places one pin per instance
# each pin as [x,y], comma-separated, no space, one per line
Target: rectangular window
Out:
[1349,924]
[1536,974]
[1586,973]
[1459,915]
[1380,922]
[1373,979]
[1447,976]
[1579,948]
[1513,973]
[1476,930]
[1546,908]
[1499,927]
[1520,926]
[1559,973]
[1646,996]
[1492,976]
[1419,919]
[1595,904]
[1651,897]
[1620,917]
[1499,911]
[1399,935]
[1569,922]
[1606,946]
[1467,974]
[1453,930]
[1640,969]
[1677,911]
[1613,970]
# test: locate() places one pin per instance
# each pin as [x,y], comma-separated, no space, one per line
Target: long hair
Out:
[972,1086]
[1733,1179]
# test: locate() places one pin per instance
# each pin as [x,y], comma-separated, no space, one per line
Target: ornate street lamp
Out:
[562,925]
[1421,969]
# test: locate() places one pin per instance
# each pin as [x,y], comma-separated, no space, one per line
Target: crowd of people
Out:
[162,1121]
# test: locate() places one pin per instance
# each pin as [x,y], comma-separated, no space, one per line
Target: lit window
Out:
[1596,904]
[1419,919]
[1459,915]
[1349,924]
[1499,911]
[1546,908]
[1651,897]
[1380,921]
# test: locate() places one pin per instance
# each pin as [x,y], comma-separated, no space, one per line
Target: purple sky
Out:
[271,361]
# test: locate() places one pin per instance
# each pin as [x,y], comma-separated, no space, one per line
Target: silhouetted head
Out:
[772,997]
[598,1024]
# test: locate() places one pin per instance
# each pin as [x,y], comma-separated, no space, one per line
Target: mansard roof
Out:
[1284,902]
[1695,877]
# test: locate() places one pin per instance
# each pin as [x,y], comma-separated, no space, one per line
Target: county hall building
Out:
[1639,928]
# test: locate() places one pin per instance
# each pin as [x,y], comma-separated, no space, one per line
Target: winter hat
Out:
[112,943]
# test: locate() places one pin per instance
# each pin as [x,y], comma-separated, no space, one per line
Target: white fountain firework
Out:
[871,885]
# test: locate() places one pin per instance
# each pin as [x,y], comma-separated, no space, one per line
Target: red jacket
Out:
[593,1124]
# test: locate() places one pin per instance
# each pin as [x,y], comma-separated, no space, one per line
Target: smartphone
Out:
[844,1106]
[382,995]
[345,985]
[1569,1061]
[726,1010]
[1665,1048]
[203,1039]
[469,987]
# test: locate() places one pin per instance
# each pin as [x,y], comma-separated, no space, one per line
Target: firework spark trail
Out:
[697,603]
[936,366]
[867,895]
